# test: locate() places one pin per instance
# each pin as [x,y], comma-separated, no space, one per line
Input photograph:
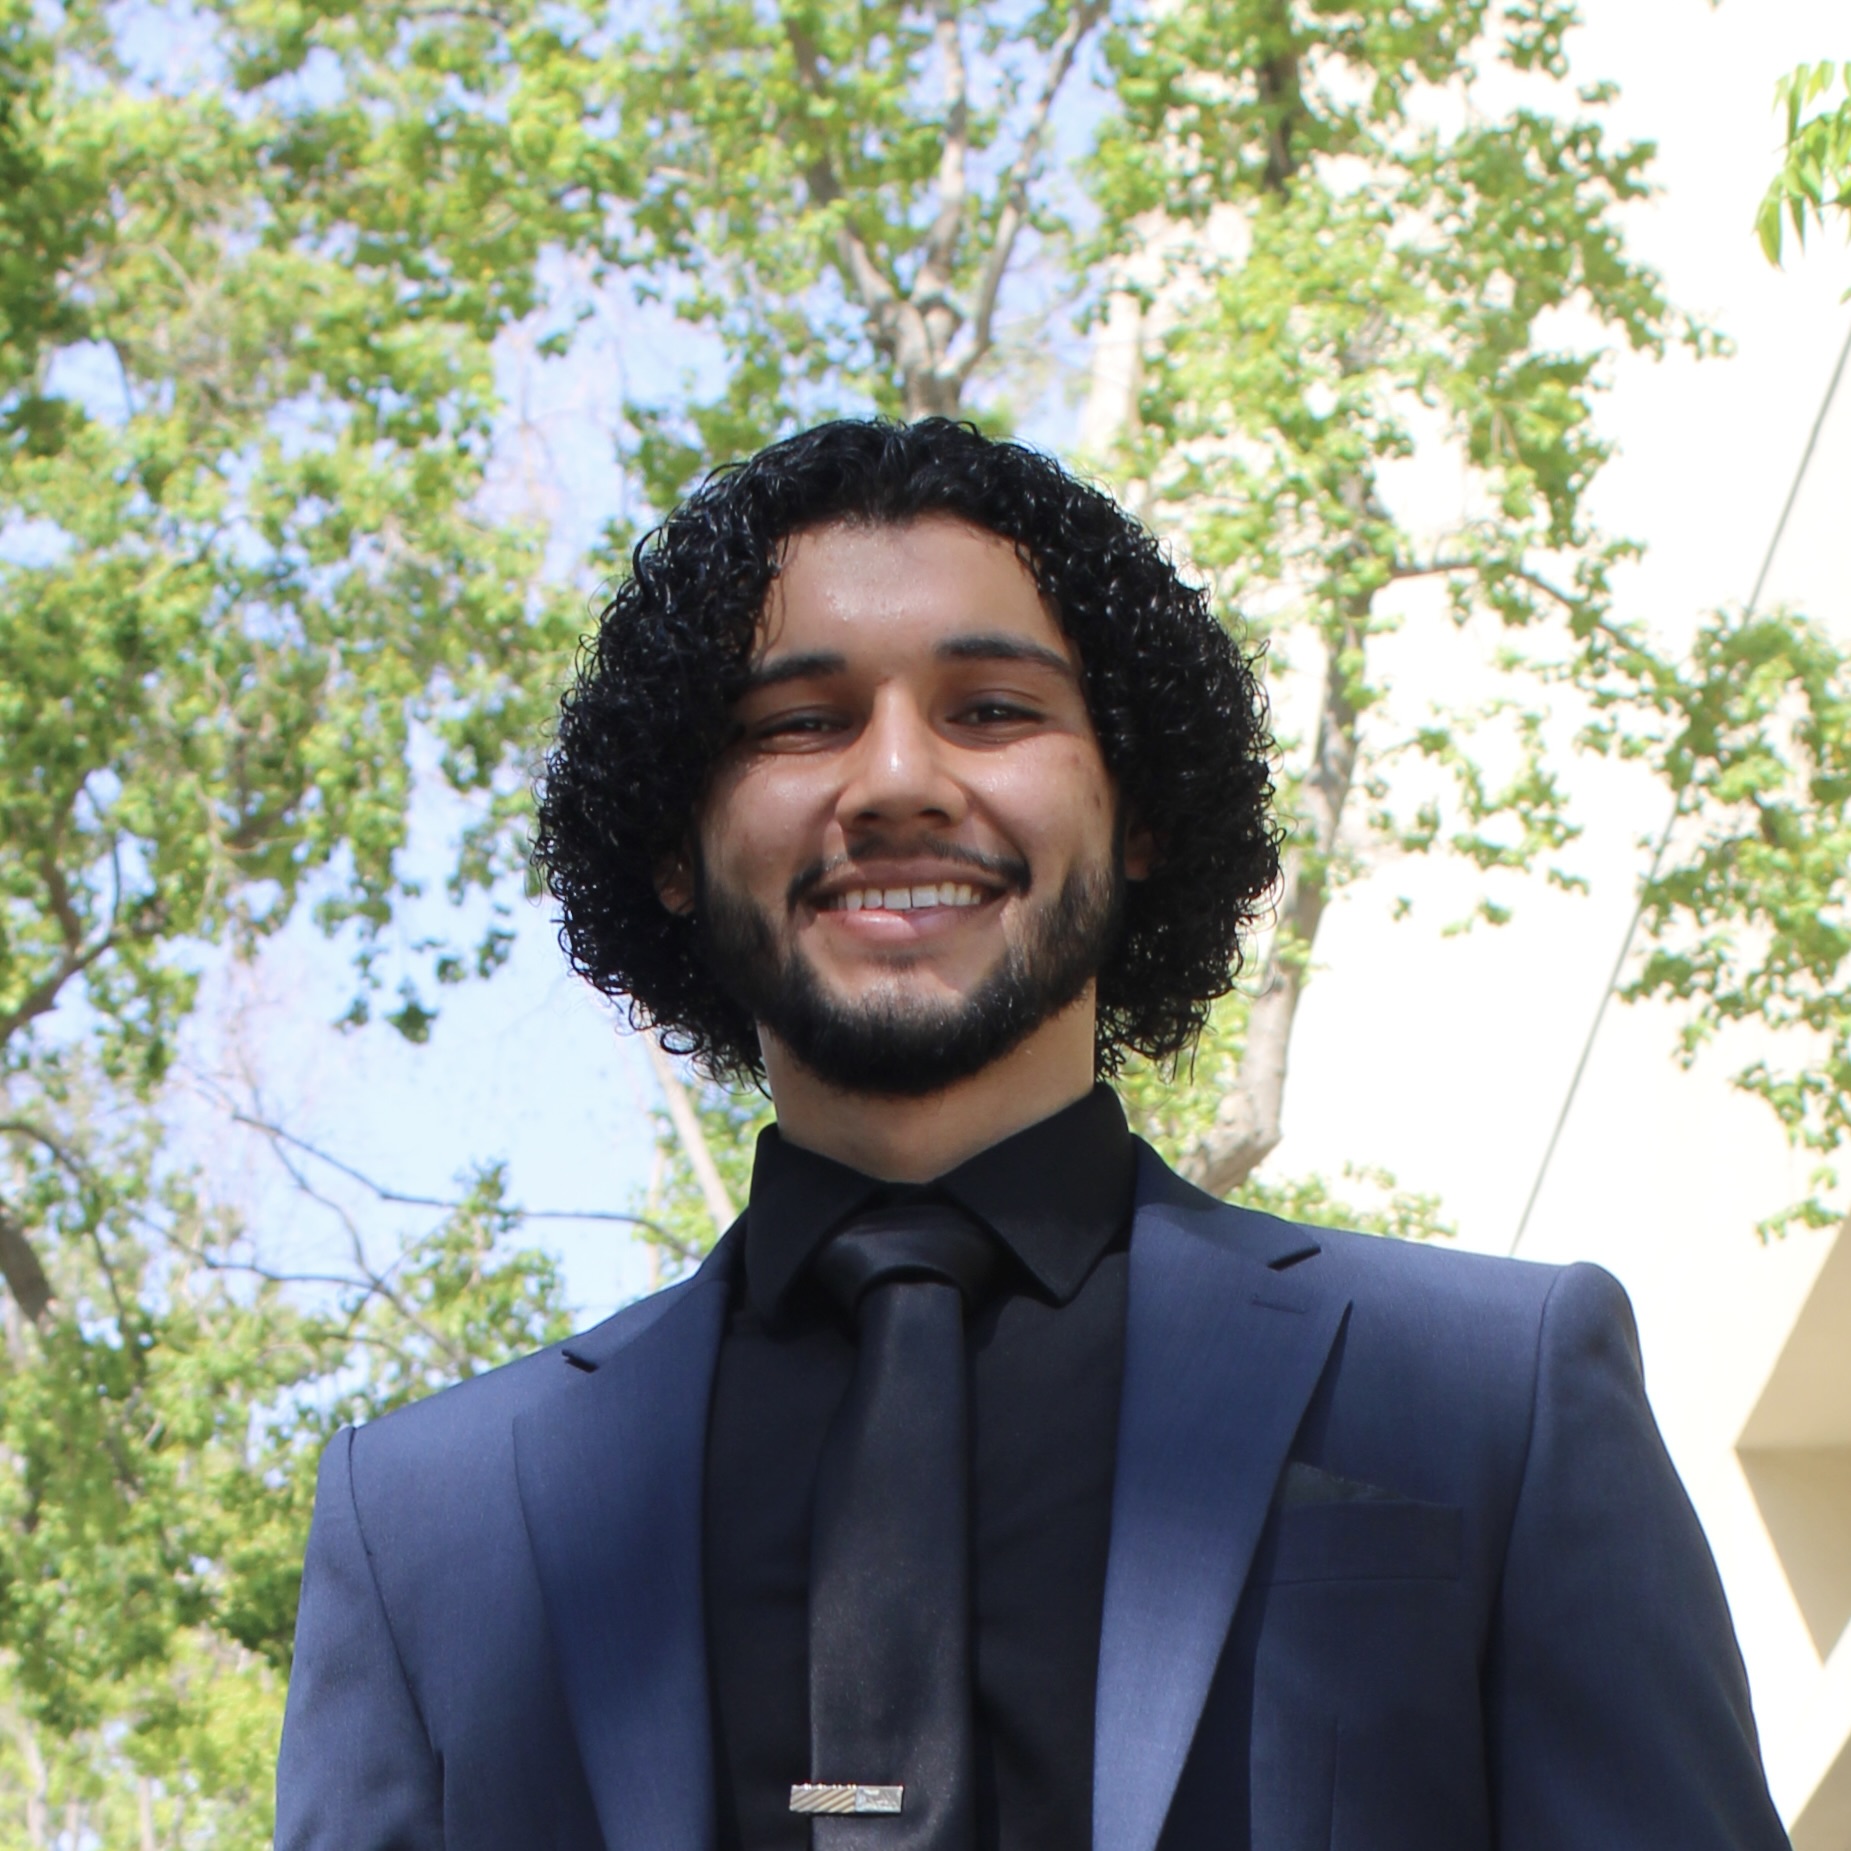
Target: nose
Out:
[900,769]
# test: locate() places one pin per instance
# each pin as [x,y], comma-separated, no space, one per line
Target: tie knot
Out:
[932,1240]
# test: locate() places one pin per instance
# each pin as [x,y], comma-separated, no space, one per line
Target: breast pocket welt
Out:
[1385,1541]
[1367,1650]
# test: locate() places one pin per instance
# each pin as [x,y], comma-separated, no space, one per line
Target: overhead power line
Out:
[1677,810]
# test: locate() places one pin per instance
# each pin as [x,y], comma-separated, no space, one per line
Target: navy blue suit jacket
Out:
[1398,1563]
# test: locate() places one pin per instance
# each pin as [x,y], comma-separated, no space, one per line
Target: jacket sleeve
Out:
[1616,1699]
[356,1771]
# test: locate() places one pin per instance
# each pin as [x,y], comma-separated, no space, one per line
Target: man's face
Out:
[909,856]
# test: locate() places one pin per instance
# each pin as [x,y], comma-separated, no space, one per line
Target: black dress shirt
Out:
[1046,1358]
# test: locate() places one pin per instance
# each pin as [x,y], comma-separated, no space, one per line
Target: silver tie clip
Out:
[839,1796]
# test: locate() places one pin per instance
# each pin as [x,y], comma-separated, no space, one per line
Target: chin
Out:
[904,999]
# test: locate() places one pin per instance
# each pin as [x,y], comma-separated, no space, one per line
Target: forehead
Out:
[869,591]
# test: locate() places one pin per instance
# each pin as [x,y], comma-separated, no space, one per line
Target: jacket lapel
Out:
[610,1479]
[1221,1357]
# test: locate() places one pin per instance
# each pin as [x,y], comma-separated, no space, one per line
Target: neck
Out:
[913,1140]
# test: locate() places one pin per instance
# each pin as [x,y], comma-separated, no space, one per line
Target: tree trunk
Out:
[1249,1121]
[913,326]
[682,1116]
[20,1267]
[919,342]
[38,1783]
[928,395]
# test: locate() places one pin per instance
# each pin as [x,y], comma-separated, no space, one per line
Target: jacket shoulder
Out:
[463,1422]
[1424,1292]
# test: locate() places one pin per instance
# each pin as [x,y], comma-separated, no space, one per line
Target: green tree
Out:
[842,194]
[1342,259]
[1323,254]
[1749,912]
[244,419]
[161,1432]
[251,600]
[1814,180]
[1334,258]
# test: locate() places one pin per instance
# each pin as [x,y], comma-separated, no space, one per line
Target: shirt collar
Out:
[1056,1194]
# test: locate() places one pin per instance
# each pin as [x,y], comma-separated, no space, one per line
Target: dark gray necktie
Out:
[890,1610]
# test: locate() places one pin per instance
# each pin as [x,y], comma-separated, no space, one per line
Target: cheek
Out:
[761,823]
[1056,802]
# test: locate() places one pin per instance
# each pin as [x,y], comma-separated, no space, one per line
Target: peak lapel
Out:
[1221,1358]
[610,1480]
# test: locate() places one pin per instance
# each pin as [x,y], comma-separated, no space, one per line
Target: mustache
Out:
[1009,870]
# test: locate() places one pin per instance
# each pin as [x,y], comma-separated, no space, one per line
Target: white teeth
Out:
[904,899]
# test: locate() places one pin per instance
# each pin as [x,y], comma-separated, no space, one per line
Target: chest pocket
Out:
[1365,1721]
[1386,1540]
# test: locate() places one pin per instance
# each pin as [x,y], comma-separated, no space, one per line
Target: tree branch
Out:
[1431,568]
[693,1140]
[1278,83]
[67,1159]
[879,297]
[941,246]
[373,1283]
[398,1196]
[19,1264]
[1249,1121]
[78,955]
[42,998]
[1014,193]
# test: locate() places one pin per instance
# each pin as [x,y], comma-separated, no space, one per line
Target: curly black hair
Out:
[1180,715]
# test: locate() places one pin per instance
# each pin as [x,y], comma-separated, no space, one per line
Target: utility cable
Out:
[1677,810]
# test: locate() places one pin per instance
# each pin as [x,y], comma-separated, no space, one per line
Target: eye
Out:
[794,728]
[995,710]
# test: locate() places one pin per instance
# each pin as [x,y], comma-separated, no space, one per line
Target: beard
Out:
[891,1046]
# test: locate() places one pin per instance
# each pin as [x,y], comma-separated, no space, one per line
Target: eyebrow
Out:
[810,665]
[984,646]
[1000,646]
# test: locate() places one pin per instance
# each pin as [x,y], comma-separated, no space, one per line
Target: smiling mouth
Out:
[903,899]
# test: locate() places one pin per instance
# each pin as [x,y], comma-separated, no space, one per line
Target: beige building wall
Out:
[1794,1451]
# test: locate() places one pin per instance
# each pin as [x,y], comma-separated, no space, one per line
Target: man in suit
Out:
[989,1485]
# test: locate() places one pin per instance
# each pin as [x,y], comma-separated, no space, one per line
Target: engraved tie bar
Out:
[839,1796]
